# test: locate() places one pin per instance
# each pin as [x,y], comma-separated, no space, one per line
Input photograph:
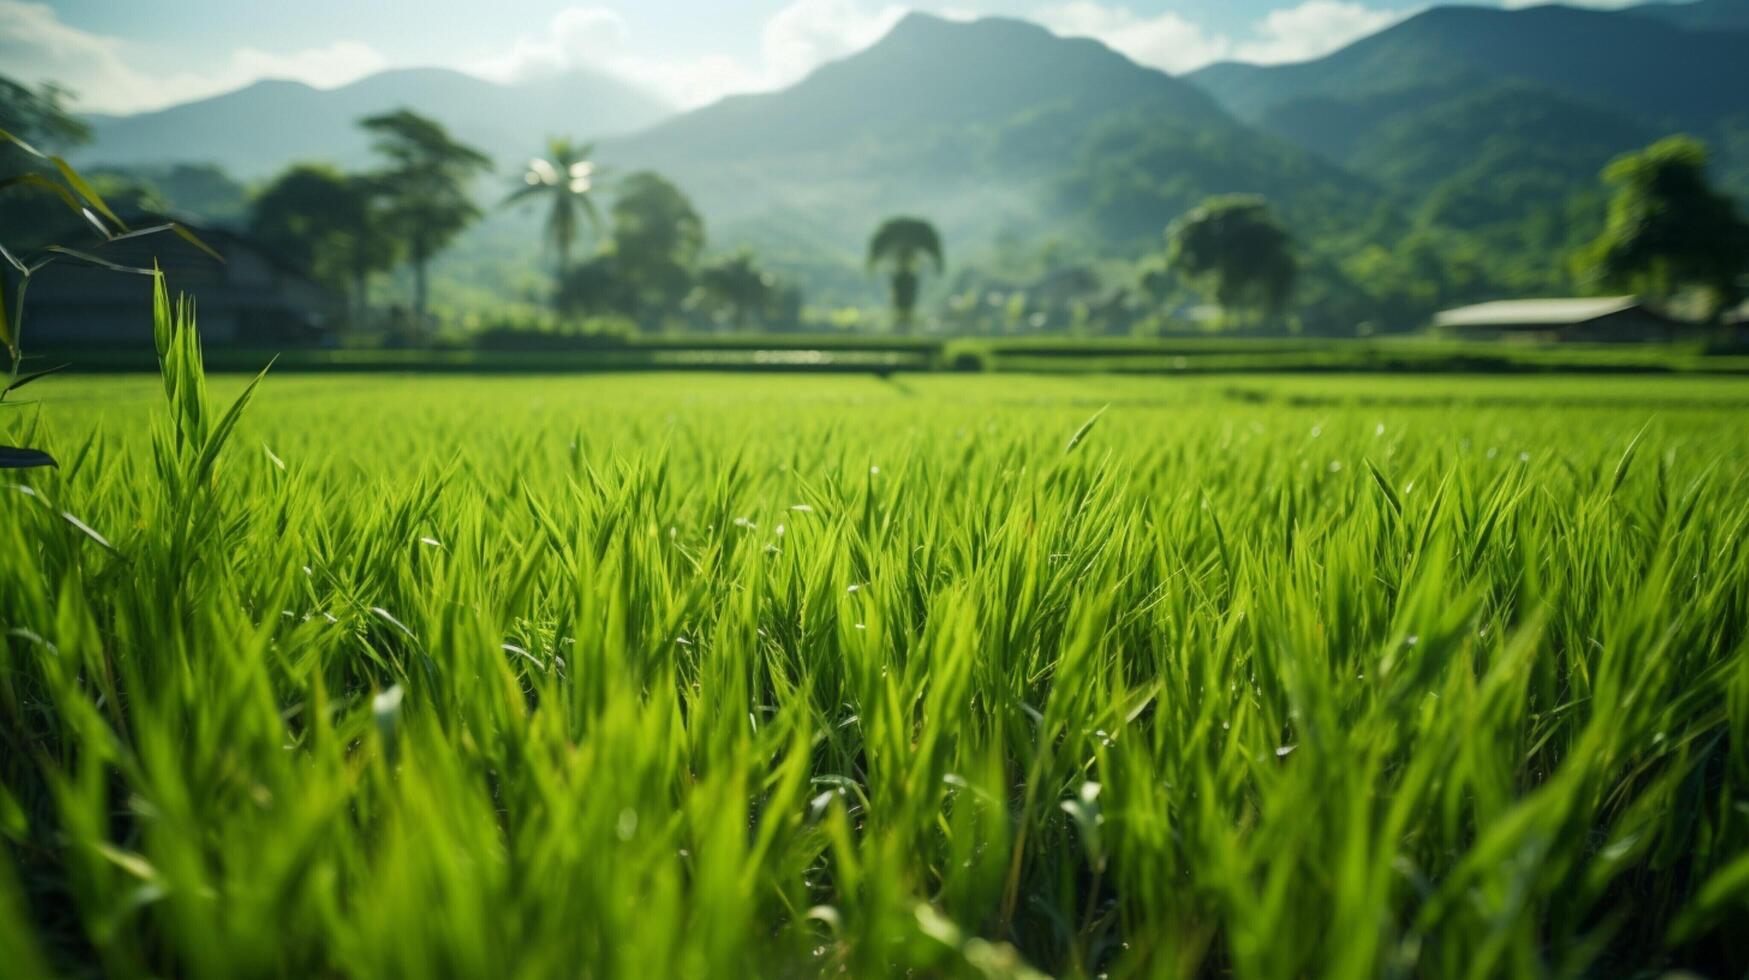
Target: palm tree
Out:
[566,179]
[901,245]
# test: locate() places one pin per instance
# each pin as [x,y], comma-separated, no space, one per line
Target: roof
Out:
[1537,312]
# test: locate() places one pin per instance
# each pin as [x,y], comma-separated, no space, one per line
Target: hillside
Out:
[986,126]
[255,131]
[1703,14]
[1649,67]
[1497,122]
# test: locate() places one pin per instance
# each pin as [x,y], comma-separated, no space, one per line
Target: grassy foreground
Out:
[716,676]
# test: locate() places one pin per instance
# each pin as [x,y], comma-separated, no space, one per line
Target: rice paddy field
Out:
[936,676]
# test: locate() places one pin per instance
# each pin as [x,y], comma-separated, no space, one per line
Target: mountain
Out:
[993,128]
[1651,67]
[255,131]
[1702,14]
[1499,121]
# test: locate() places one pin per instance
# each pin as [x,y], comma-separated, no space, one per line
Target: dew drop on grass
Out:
[1285,751]
[627,824]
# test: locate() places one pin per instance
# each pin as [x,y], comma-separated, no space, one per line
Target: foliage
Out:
[425,186]
[853,677]
[52,177]
[904,247]
[656,239]
[1233,248]
[1668,228]
[330,225]
[38,116]
[203,192]
[737,286]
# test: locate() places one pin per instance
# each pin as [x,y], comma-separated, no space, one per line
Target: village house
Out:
[1608,319]
[251,299]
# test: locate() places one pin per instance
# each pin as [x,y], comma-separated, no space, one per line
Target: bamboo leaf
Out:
[85,190]
[25,379]
[101,263]
[174,229]
[12,458]
[66,197]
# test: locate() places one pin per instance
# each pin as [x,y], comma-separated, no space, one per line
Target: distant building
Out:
[251,299]
[1610,319]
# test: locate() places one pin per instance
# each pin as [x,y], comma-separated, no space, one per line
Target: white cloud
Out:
[797,39]
[1313,29]
[35,46]
[809,33]
[1172,43]
[1167,41]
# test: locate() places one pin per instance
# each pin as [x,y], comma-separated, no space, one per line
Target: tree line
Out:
[629,251]
[647,267]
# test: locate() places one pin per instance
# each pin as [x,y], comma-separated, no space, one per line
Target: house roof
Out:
[1536,312]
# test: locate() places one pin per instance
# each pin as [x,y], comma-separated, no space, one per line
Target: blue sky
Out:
[127,55]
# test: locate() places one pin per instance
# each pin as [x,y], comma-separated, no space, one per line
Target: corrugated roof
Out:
[1550,312]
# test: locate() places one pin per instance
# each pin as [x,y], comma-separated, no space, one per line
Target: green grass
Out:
[694,675]
[867,354]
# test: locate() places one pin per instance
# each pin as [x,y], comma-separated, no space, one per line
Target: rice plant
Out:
[941,676]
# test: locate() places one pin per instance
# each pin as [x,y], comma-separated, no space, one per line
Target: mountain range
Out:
[1577,80]
[1478,121]
[256,131]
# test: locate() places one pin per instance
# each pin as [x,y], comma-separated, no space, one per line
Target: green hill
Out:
[994,127]
[1495,123]
[255,131]
[1654,69]
[1705,14]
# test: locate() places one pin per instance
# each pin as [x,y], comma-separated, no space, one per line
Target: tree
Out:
[596,287]
[330,225]
[1668,229]
[657,235]
[37,117]
[425,190]
[901,246]
[1232,248]
[737,285]
[565,179]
